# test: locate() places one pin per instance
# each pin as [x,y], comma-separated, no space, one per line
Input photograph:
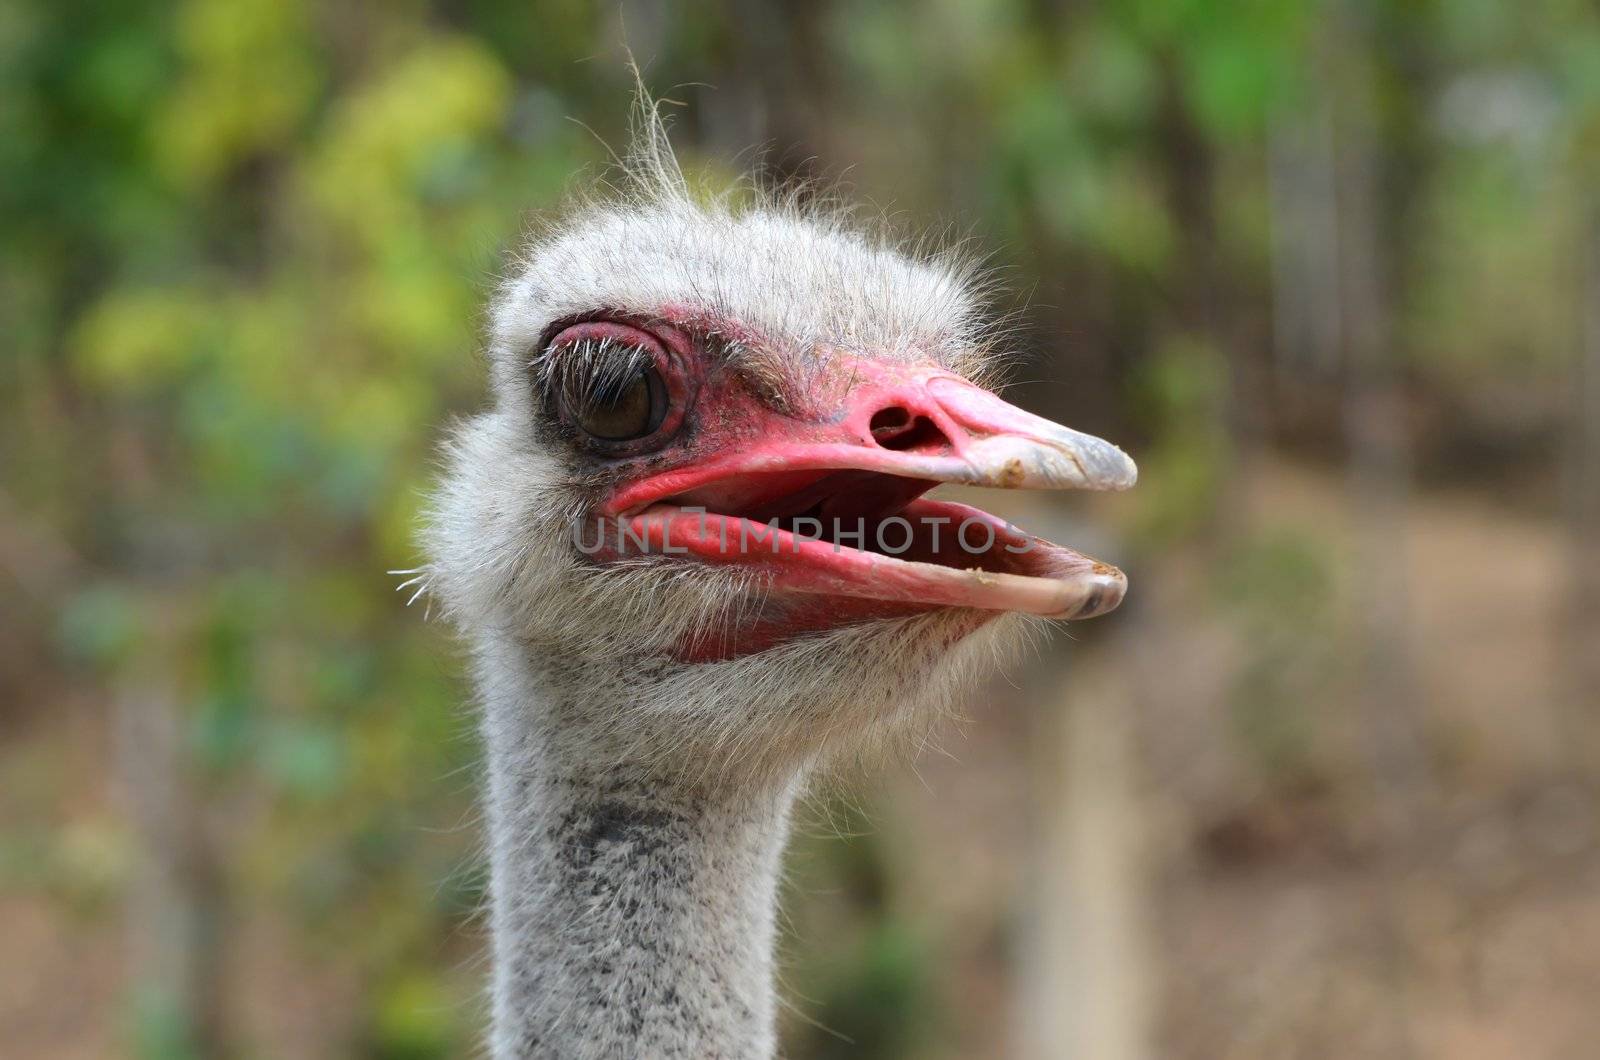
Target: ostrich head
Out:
[696,502]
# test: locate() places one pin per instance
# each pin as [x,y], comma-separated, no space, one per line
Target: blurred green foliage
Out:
[245,244]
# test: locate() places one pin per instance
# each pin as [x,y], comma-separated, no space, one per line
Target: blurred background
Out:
[1325,786]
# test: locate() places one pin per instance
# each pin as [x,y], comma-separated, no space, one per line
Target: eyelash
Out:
[579,372]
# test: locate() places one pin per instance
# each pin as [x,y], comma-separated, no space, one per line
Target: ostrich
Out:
[688,548]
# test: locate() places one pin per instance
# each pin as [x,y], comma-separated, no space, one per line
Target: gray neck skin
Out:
[630,918]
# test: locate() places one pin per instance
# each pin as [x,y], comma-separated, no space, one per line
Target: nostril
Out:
[890,421]
[896,428]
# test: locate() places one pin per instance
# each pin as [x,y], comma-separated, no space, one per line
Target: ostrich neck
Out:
[630,917]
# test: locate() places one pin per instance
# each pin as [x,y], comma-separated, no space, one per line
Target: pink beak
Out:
[890,433]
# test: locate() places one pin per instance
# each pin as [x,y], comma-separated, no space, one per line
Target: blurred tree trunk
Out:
[1308,338]
[172,915]
[174,906]
[1583,499]
[1380,471]
[1380,169]
[1383,157]
[1087,985]
[1203,302]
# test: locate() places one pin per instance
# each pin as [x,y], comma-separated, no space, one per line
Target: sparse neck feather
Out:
[629,917]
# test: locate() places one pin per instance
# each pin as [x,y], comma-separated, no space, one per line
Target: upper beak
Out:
[994,443]
[913,423]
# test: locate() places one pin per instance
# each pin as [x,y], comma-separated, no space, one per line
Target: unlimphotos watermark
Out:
[893,536]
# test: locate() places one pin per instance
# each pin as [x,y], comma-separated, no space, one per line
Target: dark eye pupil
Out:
[630,408]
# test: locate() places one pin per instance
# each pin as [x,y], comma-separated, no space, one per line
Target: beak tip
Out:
[1111,585]
[1096,592]
[1120,472]
[1095,464]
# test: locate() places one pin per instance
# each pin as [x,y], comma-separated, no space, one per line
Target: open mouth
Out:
[868,535]
[831,505]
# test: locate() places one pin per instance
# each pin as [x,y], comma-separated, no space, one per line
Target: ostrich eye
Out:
[620,389]
[626,408]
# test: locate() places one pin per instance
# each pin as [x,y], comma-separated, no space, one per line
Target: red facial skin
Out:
[870,438]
